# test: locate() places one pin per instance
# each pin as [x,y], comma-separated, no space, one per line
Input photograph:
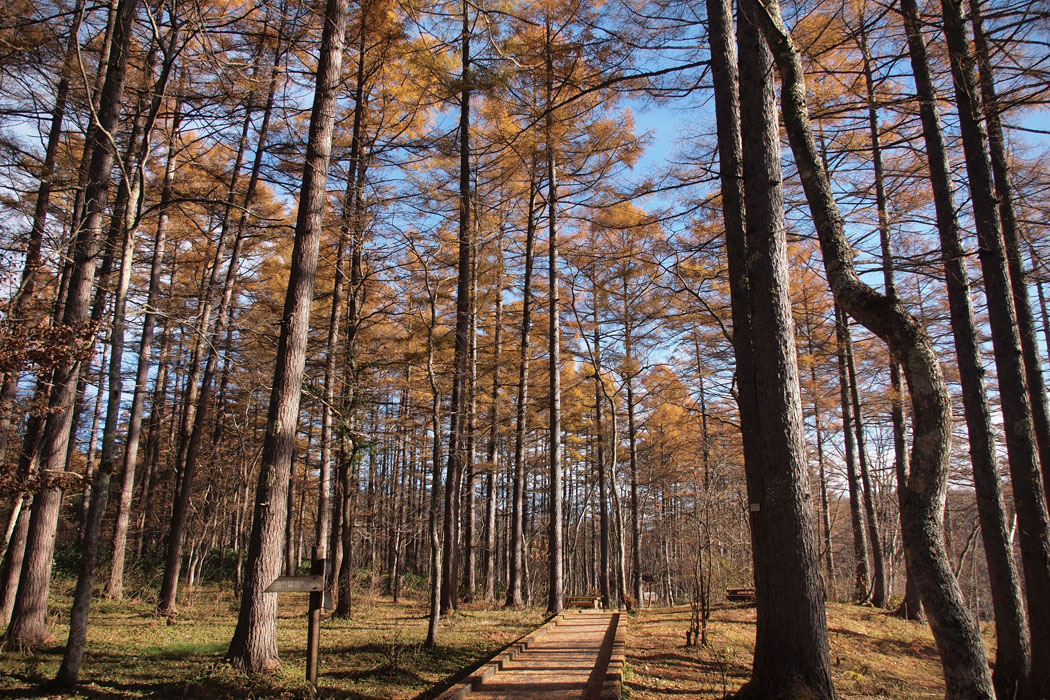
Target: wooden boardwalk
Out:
[568,661]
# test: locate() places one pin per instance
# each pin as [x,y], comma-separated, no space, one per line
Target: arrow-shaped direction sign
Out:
[296,584]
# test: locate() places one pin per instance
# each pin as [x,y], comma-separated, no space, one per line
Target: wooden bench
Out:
[583,601]
[740,595]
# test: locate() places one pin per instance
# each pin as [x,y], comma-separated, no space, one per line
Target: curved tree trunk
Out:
[922,500]
[1012,640]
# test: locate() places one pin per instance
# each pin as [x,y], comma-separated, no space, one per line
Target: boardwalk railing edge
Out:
[612,688]
[488,669]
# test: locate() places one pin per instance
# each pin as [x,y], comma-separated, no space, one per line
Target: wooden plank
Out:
[296,584]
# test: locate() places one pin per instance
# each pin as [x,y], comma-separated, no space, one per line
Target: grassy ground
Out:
[377,653]
[873,655]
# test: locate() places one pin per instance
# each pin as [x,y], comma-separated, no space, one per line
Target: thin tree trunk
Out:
[115,586]
[632,455]
[599,453]
[458,415]
[515,580]
[12,561]
[878,589]
[911,606]
[492,457]
[435,485]
[825,511]
[77,640]
[469,494]
[199,395]
[20,301]
[555,544]
[860,537]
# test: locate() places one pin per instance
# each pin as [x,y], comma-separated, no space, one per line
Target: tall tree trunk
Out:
[115,585]
[922,501]
[555,545]
[199,395]
[599,457]
[1012,240]
[632,455]
[492,457]
[254,643]
[469,494]
[911,607]
[28,626]
[458,416]
[20,302]
[155,426]
[818,424]
[435,486]
[515,579]
[352,227]
[1021,444]
[323,529]
[791,647]
[878,589]
[77,640]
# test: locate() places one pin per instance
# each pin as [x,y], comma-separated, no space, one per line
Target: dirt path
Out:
[560,665]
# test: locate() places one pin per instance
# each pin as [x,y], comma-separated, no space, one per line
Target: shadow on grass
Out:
[670,665]
[890,647]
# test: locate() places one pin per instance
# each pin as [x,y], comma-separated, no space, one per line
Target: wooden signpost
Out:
[296,584]
[314,585]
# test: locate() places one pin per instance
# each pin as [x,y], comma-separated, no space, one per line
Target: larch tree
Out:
[28,626]
[791,647]
[1013,645]
[254,643]
[922,504]
[1015,402]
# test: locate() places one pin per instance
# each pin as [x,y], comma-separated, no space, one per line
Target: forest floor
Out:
[377,653]
[874,655]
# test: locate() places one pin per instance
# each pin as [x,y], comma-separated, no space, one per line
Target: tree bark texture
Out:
[791,648]
[1012,640]
[254,643]
[1021,444]
[922,502]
